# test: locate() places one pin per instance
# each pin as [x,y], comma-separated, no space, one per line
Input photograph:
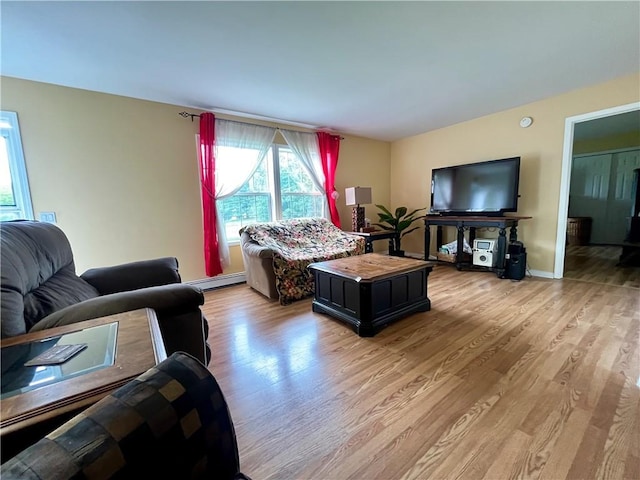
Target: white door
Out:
[620,195]
[589,190]
[601,188]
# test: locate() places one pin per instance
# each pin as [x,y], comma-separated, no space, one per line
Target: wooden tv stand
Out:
[472,222]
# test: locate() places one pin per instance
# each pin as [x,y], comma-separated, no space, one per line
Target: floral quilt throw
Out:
[296,244]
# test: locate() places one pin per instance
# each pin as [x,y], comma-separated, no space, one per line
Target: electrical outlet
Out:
[49,217]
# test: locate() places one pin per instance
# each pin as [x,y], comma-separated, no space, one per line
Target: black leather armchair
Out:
[171,422]
[40,289]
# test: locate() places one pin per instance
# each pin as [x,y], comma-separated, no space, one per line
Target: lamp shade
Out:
[357,195]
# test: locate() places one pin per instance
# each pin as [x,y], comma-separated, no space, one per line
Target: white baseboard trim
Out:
[219,281]
[541,273]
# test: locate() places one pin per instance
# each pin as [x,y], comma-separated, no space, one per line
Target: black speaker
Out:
[515,248]
[516,266]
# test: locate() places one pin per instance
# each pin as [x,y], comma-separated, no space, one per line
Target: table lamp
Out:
[355,196]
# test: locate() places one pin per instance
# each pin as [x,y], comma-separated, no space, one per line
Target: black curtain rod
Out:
[192,115]
[187,114]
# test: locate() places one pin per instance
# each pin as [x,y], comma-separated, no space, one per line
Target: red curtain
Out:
[208,188]
[329,150]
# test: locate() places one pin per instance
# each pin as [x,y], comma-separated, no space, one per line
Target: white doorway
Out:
[565,181]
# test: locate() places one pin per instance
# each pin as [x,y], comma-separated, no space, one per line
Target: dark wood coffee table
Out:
[139,347]
[372,290]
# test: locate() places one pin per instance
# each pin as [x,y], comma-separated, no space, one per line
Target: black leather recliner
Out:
[40,289]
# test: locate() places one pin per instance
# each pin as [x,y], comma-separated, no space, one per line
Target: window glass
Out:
[293,176]
[280,188]
[7,198]
[230,162]
[252,203]
[298,195]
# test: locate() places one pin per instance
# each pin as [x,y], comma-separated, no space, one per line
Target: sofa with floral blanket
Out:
[276,254]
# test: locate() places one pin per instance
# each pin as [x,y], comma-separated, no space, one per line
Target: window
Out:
[15,199]
[279,189]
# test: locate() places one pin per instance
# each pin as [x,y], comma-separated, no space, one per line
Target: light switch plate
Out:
[49,217]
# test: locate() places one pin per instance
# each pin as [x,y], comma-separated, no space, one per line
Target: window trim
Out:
[10,129]
[275,179]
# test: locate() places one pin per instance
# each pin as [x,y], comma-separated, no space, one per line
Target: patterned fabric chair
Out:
[170,422]
[276,254]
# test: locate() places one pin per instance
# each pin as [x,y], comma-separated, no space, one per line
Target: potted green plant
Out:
[398,223]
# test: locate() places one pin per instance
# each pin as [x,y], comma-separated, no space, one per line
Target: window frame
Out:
[10,130]
[274,169]
[275,189]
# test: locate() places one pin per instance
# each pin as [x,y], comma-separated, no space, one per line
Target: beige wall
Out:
[121,174]
[499,136]
[612,142]
[369,167]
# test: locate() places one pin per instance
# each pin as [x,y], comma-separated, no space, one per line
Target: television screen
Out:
[485,188]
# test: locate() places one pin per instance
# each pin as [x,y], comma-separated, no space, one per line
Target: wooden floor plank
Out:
[599,264]
[544,438]
[506,465]
[620,434]
[501,379]
[560,460]
[474,454]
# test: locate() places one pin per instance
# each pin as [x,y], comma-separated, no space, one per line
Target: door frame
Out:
[565,178]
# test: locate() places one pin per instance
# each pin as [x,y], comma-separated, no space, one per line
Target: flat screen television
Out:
[486,188]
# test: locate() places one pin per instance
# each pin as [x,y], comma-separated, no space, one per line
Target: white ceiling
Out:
[382,70]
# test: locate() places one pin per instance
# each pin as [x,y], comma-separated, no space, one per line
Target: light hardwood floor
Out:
[500,380]
[599,264]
